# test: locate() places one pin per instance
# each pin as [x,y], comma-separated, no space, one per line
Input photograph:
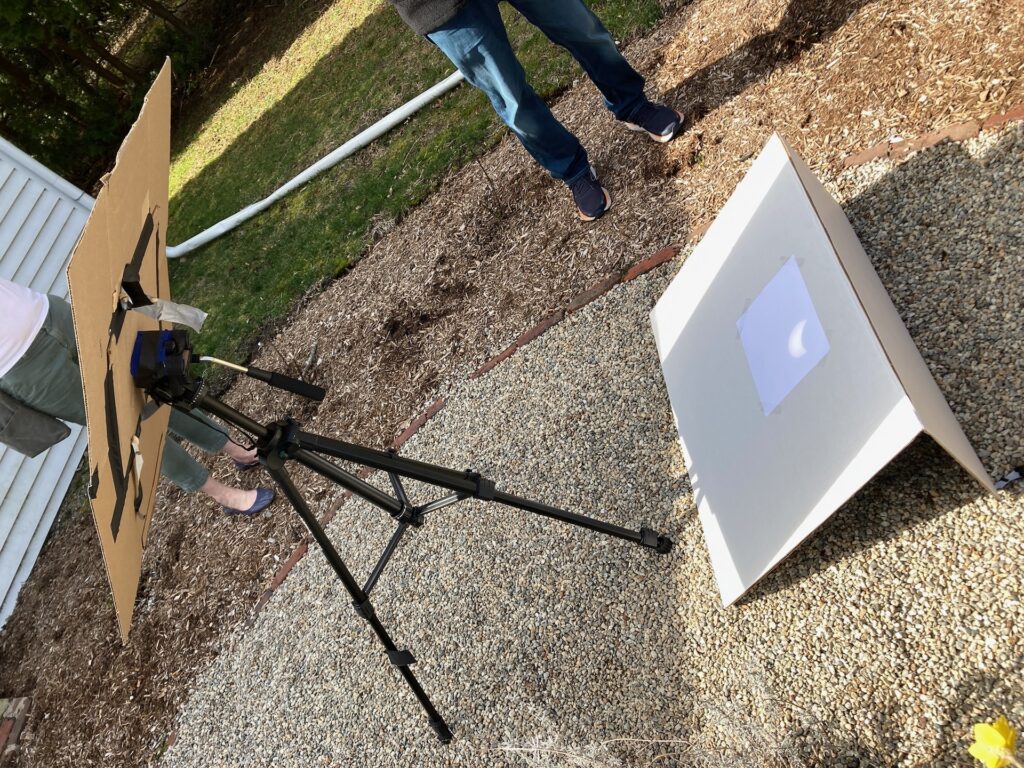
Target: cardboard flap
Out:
[932,408]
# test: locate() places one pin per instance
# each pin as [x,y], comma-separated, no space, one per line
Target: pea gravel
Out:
[878,642]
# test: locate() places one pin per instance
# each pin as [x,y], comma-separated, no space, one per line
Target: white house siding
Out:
[41,219]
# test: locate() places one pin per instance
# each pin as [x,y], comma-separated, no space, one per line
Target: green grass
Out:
[346,70]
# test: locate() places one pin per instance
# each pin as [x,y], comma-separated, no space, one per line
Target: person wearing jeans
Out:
[40,380]
[472,34]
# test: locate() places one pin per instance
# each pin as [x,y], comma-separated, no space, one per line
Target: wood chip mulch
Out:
[494,251]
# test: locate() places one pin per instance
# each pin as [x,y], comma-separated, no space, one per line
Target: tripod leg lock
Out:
[400,658]
[660,544]
[365,609]
[484,488]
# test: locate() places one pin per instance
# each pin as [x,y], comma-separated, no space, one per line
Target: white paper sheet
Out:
[782,336]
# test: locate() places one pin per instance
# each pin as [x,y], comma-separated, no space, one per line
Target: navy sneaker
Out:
[263,498]
[592,200]
[659,122]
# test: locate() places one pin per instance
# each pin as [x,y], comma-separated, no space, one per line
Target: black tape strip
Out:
[132,285]
[117,319]
[159,292]
[114,451]
[401,658]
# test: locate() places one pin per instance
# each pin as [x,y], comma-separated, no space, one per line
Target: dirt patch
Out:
[492,253]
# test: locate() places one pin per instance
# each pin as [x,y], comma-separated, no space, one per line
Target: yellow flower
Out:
[994,744]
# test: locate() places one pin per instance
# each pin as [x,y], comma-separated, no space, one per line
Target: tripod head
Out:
[161,362]
[160,365]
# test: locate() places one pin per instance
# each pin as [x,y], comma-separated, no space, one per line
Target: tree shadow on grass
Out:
[378,66]
[344,92]
[251,277]
[260,32]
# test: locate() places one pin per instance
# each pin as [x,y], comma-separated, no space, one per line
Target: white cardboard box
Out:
[792,379]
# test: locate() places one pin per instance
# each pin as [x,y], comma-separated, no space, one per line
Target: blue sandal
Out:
[263,498]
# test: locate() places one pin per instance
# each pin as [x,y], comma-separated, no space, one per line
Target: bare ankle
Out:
[233,498]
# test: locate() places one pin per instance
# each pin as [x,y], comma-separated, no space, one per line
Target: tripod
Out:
[162,370]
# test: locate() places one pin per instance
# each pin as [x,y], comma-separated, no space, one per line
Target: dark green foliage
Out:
[73,74]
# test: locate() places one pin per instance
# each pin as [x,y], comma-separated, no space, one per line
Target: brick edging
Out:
[12,723]
[583,298]
[956,132]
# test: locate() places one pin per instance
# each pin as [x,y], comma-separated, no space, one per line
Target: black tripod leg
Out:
[645,537]
[399,658]
[467,483]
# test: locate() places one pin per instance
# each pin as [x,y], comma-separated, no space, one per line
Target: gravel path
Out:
[878,642]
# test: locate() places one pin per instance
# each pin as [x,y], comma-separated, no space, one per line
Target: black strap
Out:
[114,452]
[132,268]
[484,488]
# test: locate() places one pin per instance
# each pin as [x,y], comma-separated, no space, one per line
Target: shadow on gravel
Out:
[990,691]
[921,484]
[818,745]
[805,24]
[944,233]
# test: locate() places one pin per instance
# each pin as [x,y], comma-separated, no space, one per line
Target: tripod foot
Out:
[650,539]
[444,734]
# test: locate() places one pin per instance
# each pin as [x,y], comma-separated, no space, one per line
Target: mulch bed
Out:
[495,251]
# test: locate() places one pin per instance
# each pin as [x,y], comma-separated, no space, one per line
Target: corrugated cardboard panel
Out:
[128,225]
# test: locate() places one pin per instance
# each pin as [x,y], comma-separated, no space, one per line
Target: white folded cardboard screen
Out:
[792,379]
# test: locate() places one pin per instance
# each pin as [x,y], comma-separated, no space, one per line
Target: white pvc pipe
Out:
[350,147]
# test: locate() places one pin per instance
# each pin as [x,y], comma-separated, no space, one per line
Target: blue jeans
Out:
[477,43]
